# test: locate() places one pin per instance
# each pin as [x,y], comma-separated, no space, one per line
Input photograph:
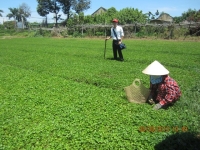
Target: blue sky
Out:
[172,7]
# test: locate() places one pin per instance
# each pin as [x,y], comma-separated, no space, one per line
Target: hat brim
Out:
[115,20]
[155,68]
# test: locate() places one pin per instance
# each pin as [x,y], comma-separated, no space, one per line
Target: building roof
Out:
[96,12]
[162,19]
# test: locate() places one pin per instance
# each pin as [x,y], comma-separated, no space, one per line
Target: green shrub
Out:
[99,33]
[77,34]
[9,24]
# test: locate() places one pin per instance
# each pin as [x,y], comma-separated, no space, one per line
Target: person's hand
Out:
[107,38]
[157,106]
[150,100]
[150,97]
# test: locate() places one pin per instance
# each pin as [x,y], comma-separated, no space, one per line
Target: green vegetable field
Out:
[62,94]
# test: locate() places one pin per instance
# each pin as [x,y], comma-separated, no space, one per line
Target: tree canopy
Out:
[1,11]
[49,6]
[80,5]
[14,13]
[189,15]
[43,7]
[54,6]
[126,15]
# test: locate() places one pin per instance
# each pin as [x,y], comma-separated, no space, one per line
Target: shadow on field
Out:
[110,58]
[115,59]
[182,141]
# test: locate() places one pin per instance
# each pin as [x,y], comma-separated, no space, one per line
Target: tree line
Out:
[45,7]
[66,6]
[74,10]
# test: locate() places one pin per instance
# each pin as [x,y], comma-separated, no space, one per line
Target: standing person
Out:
[116,41]
[164,90]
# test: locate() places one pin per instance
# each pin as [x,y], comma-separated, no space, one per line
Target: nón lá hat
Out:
[155,68]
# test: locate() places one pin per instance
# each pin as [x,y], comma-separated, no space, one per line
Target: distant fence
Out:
[137,29]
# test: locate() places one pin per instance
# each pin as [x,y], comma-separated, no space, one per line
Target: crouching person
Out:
[164,91]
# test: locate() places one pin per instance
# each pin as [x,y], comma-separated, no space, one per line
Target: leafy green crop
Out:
[62,94]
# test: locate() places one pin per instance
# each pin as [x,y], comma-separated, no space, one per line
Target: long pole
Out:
[105,42]
[105,50]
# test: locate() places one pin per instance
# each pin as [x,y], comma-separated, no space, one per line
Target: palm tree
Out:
[24,11]
[1,11]
[14,14]
[20,14]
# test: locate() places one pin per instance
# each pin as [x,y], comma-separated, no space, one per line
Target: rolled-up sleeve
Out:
[121,32]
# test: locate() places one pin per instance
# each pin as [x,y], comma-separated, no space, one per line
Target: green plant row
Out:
[62,94]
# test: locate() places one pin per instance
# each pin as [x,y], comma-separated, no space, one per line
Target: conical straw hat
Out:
[155,68]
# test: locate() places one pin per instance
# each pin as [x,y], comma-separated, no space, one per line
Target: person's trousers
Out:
[116,49]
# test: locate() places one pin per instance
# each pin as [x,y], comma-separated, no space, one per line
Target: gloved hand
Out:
[150,100]
[157,106]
